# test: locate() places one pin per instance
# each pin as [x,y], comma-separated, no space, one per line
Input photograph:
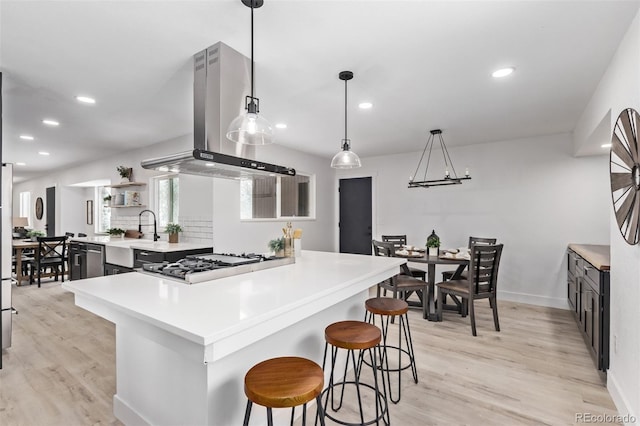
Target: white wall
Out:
[619,89]
[531,194]
[233,235]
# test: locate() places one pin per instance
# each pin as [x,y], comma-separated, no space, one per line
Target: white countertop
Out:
[212,311]
[142,244]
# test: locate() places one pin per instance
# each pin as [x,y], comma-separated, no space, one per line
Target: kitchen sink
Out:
[119,254]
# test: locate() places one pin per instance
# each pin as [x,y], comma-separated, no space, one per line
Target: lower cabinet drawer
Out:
[141,257]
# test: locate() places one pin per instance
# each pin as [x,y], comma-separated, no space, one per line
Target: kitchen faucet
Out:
[156,237]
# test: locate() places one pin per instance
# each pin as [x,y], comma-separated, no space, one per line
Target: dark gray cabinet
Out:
[588,298]
[141,257]
[110,269]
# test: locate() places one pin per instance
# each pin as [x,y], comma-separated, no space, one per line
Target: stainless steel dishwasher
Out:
[95,260]
[87,260]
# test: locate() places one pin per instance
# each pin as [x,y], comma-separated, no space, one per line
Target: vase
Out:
[433,251]
[173,238]
[125,180]
[279,253]
[288,247]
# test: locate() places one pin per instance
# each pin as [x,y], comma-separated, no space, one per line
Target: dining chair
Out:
[446,275]
[481,282]
[49,254]
[399,241]
[402,284]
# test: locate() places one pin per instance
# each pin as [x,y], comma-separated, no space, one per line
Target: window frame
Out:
[279,217]
[155,188]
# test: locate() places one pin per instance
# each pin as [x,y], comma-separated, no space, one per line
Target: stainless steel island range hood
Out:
[221,81]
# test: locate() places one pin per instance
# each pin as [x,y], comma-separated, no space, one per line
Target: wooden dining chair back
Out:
[447,275]
[480,240]
[51,254]
[403,284]
[481,283]
[397,240]
[401,240]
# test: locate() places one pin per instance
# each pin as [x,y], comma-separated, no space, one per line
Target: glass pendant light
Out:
[250,127]
[345,159]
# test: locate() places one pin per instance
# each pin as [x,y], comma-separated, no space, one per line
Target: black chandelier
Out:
[450,175]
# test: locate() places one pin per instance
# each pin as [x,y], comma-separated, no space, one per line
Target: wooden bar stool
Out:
[285,382]
[388,308]
[362,337]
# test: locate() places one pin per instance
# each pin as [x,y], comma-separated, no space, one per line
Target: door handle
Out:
[76,260]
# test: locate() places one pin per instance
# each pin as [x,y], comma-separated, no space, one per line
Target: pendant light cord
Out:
[252,78]
[345,111]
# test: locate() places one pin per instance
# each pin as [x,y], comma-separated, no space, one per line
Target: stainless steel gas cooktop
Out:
[200,268]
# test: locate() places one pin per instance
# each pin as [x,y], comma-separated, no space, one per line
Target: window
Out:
[102,212]
[278,197]
[25,205]
[166,199]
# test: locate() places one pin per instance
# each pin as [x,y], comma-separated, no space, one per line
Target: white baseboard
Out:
[532,299]
[622,404]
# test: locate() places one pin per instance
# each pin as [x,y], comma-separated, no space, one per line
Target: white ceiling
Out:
[423,64]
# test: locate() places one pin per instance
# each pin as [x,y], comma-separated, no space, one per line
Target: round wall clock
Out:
[624,170]
[39,208]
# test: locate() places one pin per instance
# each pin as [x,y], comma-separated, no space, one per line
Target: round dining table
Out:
[432,261]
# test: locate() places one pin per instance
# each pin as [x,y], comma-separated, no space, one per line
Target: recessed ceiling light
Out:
[606,145]
[365,105]
[503,72]
[50,122]
[43,153]
[281,126]
[21,164]
[85,100]
[27,137]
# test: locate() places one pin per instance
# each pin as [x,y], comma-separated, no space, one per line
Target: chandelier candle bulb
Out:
[466,172]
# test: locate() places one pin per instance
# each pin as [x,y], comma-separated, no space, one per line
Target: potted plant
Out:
[172,229]
[433,244]
[125,173]
[277,246]
[116,232]
[34,234]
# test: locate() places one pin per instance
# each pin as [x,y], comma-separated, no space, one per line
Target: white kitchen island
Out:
[182,350]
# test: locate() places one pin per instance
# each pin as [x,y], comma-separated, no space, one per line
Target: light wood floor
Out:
[61,367]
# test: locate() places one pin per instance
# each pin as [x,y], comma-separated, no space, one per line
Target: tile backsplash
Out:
[196,229]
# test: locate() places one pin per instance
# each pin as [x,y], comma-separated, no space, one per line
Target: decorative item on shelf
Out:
[107,200]
[450,175]
[116,232]
[125,173]
[277,247]
[624,173]
[172,229]
[131,198]
[118,199]
[34,234]
[345,159]
[433,244]
[250,127]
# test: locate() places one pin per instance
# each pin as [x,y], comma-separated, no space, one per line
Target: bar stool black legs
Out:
[363,338]
[387,309]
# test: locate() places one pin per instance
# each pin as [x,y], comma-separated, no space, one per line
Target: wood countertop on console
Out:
[597,255]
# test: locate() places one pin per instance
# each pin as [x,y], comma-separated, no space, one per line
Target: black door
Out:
[50,225]
[355,215]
